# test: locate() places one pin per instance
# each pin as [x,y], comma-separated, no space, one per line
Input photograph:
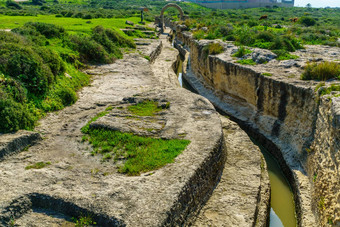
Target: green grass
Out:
[38,165]
[83,221]
[86,128]
[327,91]
[246,62]
[73,25]
[140,154]
[241,52]
[321,71]
[145,108]
[213,49]
[54,99]
[267,74]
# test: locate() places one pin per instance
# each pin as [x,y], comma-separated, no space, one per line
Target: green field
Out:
[70,24]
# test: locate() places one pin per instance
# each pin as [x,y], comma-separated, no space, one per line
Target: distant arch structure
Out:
[173,5]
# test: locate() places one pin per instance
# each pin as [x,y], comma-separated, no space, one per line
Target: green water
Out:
[282,200]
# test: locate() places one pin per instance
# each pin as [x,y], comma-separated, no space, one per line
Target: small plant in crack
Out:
[84,221]
[38,165]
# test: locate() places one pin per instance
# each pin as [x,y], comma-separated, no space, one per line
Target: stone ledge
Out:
[13,143]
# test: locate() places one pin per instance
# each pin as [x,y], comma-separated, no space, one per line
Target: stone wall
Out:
[287,113]
[324,160]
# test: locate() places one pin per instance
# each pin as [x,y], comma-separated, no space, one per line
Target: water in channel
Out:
[282,211]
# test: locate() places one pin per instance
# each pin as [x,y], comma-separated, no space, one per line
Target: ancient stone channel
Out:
[220,179]
[281,111]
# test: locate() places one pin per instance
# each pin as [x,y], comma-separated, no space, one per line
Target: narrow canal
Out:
[282,212]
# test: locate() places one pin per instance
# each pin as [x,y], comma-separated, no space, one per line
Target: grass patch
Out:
[322,71]
[327,91]
[86,128]
[284,55]
[83,221]
[241,52]
[38,165]
[145,108]
[140,154]
[246,62]
[73,25]
[213,49]
[267,74]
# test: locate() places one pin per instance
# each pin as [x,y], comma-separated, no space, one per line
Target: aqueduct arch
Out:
[168,6]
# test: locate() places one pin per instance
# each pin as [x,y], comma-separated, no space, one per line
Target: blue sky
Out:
[318,3]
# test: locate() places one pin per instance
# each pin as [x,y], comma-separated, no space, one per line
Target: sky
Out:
[318,3]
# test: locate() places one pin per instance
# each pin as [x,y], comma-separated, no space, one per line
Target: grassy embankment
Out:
[39,63]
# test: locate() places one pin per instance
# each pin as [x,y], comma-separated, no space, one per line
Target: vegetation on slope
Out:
[34,59]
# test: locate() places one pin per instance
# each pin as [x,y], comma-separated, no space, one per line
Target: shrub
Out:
[89,50]
[213,49]
[12,4]
[287,42]
[23,64]
[48,30]
[15,116]
[66,95]
[322,71]
[31,34]
[226,30]
[307,21]
[245,36]
[284,55]
[265,36]
[52,60]
[115,37]
[241,52]
[198,34]
[13,89]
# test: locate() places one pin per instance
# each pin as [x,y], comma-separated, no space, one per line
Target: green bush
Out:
[52,60]
[12,4]
[307,21]
[265,36]
[115,37]
[322,71]
[213,49]
[48,30]
[241,52]
[89,50]
[23,64]
[198,34]
[15,116]
[284,55]
[13,89]
[66,95]
[31,34]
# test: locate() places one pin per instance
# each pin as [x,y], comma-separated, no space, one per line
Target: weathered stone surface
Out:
[262,56]
[324,159]
[242,197]
[77,183]
[13,143]
[129,23]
